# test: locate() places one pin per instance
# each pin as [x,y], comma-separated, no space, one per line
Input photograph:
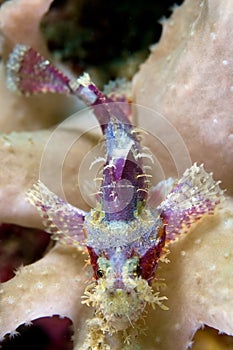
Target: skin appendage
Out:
[125,235]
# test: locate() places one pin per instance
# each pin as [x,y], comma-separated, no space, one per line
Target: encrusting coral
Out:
[187,78]
[38,112]
[198,276]
[27,148]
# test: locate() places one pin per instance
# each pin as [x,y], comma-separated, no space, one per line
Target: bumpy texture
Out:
[18,112]
[198,277]
[198,280]
[20,155]
[188,79]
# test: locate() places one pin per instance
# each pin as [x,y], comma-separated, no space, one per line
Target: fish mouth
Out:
[121,308]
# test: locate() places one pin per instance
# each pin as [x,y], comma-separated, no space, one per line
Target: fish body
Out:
[125,235]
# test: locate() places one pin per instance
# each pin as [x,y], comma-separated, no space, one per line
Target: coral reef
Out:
[187,78]
[20,158]
[17,112]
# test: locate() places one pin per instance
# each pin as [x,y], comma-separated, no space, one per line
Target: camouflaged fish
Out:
[124,235]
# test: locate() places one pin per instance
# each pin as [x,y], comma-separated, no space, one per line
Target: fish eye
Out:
[100,273]
[138,270]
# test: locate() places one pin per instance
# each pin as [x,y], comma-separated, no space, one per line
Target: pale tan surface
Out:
[52,285]
[198,278]
[185,86]
[20,24]
[21,166]
[188,79]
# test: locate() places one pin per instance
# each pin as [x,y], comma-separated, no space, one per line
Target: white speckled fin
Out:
[195,195]
[28,72]
[60,218]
